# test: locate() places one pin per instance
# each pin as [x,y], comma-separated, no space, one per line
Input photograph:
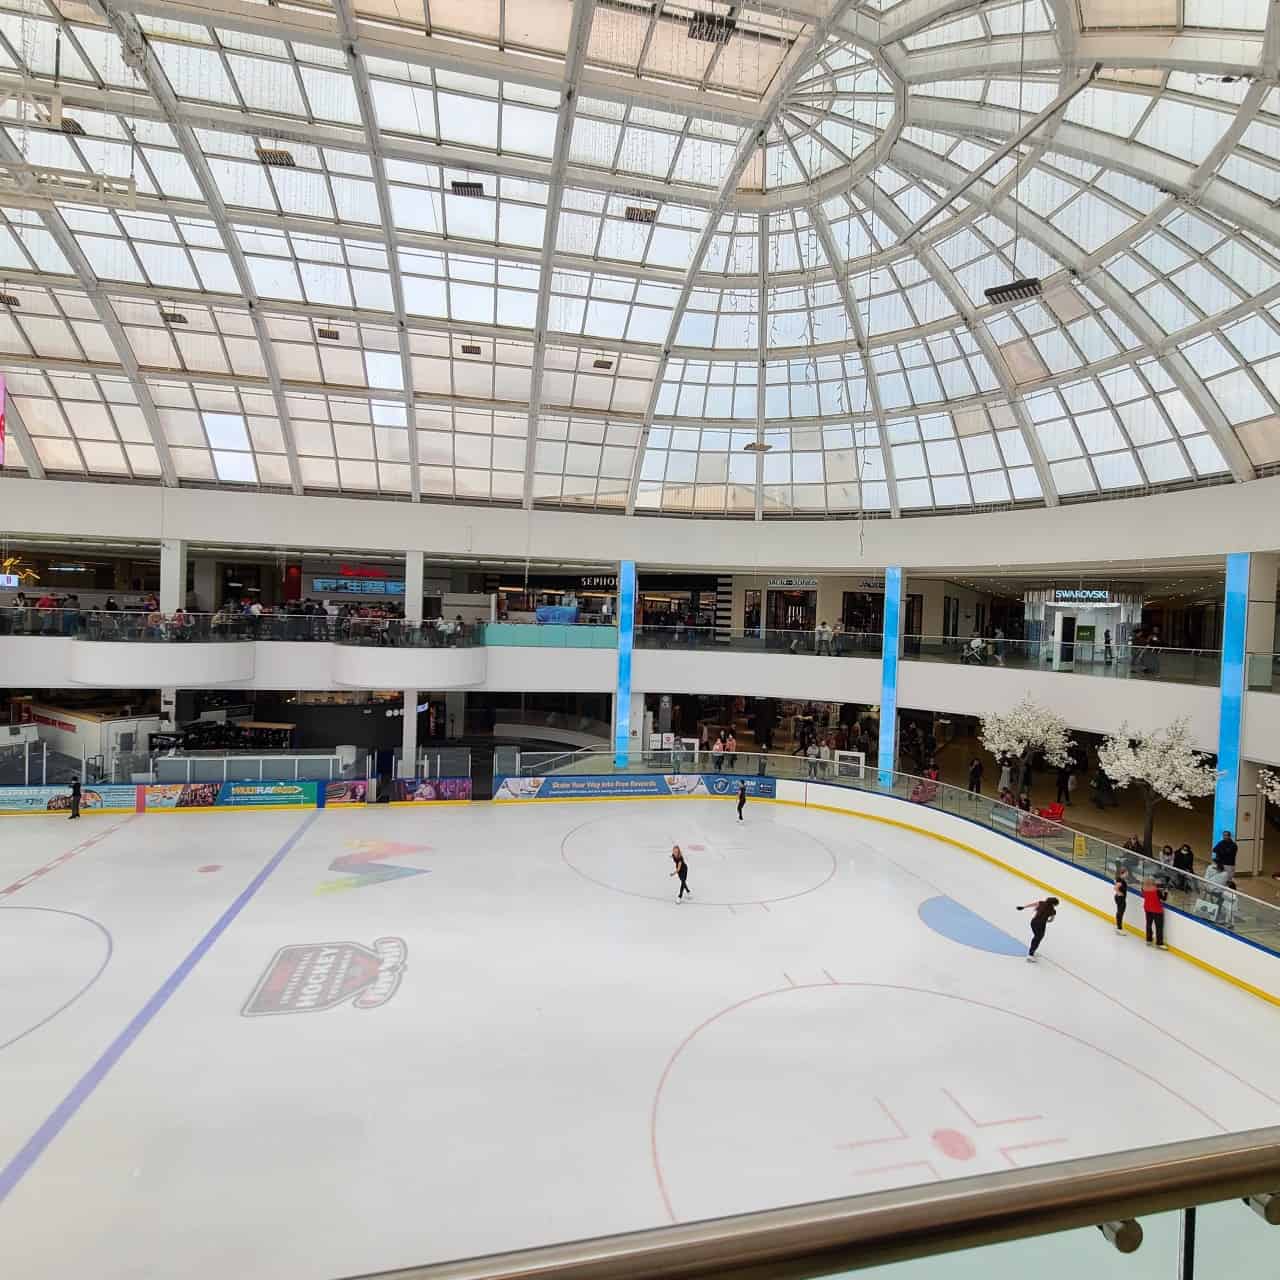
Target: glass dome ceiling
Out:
[700,258]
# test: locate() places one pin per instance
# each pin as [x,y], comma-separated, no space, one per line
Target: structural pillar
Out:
[888,751]
[206,584]
[173,575]
[1248,627]
[409,736]
[413,579]
[622,685]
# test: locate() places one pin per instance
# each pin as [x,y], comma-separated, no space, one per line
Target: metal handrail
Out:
[829,1236]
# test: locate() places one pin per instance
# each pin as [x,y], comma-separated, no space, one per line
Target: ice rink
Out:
[308,1045]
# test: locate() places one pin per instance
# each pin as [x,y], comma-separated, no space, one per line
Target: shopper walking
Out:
[1153,900]
[682,870]
[75,797]
[1045,910]
[975,776]
[1224,852]
[742,799]
[1121,890]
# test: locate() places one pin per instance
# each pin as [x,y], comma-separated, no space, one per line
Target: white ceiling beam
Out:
[1065,251]
[1201,54]
[379,40]
[844,285]
[139,56]
[66,242]
[1234,205]
[391,236]
[18,429]
[579,37]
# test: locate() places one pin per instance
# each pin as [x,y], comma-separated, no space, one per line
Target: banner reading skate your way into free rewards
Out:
[582,786]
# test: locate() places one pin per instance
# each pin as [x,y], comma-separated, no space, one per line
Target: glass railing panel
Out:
[837,644]
[1262,672]
[1185,666]
[553,635]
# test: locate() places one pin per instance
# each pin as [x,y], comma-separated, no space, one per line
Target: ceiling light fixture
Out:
[275,157]
[713,28]
[328,334]
[1015,291]
[639,213]
[473,190]
[73,128]
[757,446]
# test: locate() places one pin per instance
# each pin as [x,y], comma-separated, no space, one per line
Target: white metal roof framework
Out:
[583,253]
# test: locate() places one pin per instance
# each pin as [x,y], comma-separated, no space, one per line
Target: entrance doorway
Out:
[792,610]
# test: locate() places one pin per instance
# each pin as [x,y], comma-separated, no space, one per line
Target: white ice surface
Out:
[569,1052]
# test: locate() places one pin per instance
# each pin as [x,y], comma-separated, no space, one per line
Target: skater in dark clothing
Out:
[75,797]
[975,776]
[1045,910]
[1121,888]
[742,799]
[682,870]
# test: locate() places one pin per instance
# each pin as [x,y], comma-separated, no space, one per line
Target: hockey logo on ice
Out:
[314,976]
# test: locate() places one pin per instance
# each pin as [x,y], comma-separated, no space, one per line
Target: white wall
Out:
[1092,703]
[1262,728]
[1193,938]
[1196,522]
[111,665]
[514,669]
[761,675]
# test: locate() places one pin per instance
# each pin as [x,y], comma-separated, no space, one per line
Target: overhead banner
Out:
[107,799]
[586,786]
[429,790]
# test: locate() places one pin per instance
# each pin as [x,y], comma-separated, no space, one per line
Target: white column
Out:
[413,587]
[409,740]
[1260,640]
[206,584]
[173,575]
[168,709]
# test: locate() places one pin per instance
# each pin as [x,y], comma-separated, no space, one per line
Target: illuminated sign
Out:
[609,580]
[358,586]
[1081,595]
[792,584]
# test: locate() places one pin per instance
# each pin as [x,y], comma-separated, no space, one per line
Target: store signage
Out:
[1081,595]
[362,571]
[599,580]
[10,581]
[792,584]
[358,586]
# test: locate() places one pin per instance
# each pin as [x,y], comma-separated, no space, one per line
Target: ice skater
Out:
[1046,910]
[1121,889]
[682,870]
[1153,900]
[742,799]
[75,797]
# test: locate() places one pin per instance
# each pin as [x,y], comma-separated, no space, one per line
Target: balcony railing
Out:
[1121,662]
[839,644]
[1113,1193]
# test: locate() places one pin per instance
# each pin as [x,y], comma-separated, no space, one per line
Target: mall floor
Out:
[298,1046]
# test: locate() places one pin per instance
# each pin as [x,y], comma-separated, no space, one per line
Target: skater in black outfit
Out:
[742,799]
[1046,910]
[682,870]
[1122,897]
[75,797]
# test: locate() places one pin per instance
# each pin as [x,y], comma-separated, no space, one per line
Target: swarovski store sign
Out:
[1081,626]
[1081,595]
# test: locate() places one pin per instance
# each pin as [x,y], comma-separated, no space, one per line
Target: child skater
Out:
[742,799]
[682,870]
[1046,910]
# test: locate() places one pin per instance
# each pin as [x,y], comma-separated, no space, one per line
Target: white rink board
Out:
[566,1052]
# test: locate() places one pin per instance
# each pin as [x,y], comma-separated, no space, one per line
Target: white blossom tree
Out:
[1269,786]
[1162,764]
[1026,730]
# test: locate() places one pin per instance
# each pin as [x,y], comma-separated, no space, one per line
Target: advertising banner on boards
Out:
[231,795]
[58,799]
[429,790]
[583,786]
[337,794]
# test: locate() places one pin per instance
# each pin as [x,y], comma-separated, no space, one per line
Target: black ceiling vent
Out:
[1015,291]
[276,157]
[72,127]
[711,27]
[636,213]
[471,349]
[602,363]
[173,317]
[473,189]
[329,335]
[10,300]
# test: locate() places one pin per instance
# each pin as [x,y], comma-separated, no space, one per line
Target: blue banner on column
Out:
[1231,693]
[889,674]
[622,690]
